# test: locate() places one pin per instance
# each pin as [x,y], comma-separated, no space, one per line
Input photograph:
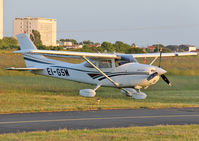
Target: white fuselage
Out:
[127,76]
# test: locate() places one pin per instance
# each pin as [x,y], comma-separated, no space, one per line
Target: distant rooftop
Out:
[35,18]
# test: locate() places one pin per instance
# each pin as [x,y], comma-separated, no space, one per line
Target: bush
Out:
[8,43]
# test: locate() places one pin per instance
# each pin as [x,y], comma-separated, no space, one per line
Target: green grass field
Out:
[39,94]
[154,133]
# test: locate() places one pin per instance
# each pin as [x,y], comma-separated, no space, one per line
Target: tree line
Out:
[118,46]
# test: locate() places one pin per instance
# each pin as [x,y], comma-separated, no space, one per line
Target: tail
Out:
[25,42]
[31,60]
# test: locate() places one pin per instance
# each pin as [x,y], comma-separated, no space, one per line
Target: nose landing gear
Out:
[139,95]
[136,94]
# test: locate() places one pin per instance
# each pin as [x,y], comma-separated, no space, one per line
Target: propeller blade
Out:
[151,76]
[166,79]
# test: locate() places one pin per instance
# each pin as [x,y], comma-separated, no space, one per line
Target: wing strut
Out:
[154,60]
[116,84]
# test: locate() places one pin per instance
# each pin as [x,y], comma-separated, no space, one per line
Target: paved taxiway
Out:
[97,119]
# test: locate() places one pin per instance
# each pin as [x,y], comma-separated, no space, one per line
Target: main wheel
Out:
[129,92]
[139,95]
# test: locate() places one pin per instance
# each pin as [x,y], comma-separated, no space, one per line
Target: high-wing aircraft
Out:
[121,71]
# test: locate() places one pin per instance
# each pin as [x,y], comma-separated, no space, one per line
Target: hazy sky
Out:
[143,22]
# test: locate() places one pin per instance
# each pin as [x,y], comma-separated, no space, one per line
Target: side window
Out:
[105,64]
[88,65]
[119,62]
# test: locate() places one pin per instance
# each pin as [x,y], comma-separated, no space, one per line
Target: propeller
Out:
[166,79]
[151,76]
[163,76]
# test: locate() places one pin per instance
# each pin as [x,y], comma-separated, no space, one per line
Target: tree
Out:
[135,50]
[8,43]
[88,42]
[36,38]
[133,45]
[69,40]
[107,46]
[121,47]
[86,48]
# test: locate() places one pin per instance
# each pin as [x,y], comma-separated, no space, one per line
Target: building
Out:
[73,46]
[66,43]
[94,45]
[187,48]
[151,48]
[1,19]
[46,27]
[181,48]
[197,50]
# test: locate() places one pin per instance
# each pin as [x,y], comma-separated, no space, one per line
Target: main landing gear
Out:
[127,91]
[133,93]
[89,92]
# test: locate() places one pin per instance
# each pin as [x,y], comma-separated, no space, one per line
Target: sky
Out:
[143,22]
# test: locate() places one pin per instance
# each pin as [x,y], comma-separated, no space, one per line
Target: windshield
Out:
[124,60]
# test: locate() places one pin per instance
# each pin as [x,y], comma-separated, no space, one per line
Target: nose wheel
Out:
[134,93]
[139,95]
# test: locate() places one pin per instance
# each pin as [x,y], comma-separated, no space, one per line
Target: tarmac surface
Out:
[12,123]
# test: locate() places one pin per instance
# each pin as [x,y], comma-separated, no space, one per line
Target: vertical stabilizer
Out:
[25,43]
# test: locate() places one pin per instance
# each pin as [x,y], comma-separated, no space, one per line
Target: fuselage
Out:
[128,75]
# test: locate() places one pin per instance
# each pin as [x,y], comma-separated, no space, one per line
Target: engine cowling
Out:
[87,93]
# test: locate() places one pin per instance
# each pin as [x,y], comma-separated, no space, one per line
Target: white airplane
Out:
[121,71]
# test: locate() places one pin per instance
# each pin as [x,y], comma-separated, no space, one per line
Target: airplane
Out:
[116,70]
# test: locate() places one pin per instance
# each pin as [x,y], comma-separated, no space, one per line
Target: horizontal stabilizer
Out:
[23,69]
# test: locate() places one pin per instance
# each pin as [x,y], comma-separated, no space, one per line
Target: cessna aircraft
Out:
[121,71]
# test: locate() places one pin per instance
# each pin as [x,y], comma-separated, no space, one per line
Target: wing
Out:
[144,55]
[103,55]
[70,53]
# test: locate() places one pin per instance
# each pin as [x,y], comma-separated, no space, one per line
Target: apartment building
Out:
[46,27]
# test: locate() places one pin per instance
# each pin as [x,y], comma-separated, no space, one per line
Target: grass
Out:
[154,133]
[38,94]
[187,65]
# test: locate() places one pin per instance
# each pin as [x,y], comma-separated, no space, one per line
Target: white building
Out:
[67,43]
[192,48]
[187,47]
[1,19]
[46,27]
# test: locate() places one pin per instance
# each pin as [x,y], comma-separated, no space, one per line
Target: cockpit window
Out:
[124,60]
[89,65]
[101,63]
[105,64]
